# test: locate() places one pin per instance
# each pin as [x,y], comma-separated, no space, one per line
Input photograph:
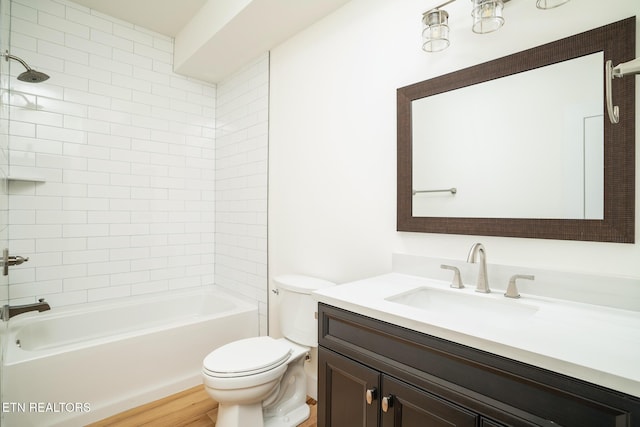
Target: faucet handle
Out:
[457,279]
[512,290]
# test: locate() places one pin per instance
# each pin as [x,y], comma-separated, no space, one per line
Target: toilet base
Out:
[291,419]
[251,415]
[240,415]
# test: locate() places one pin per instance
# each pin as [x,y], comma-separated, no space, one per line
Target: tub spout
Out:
[9,311]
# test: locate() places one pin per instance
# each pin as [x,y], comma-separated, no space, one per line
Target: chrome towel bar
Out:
[447,190]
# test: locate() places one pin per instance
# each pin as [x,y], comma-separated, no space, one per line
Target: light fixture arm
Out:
[441,5]
[626,68]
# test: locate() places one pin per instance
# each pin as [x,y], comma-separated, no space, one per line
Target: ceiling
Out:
[214,38]
[166,17]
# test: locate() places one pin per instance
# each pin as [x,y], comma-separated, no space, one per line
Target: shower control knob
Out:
[17,260]
[8,261]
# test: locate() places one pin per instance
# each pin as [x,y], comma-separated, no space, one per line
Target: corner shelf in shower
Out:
[26,178]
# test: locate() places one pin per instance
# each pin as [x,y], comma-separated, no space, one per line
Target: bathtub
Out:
[74,365]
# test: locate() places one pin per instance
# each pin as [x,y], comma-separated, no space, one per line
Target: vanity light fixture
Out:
[435,31]
[486,14]
[435,28]
[624,69]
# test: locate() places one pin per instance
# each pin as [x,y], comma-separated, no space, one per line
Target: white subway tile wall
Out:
[126,150]
[136,198]
[241,157]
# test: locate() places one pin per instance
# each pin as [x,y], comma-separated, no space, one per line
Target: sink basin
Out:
[444,302]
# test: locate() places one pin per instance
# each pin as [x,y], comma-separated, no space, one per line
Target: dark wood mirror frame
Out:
[617,41]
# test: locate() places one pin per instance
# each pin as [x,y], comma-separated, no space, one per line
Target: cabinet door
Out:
[406,406]
[489,423]
[347,392]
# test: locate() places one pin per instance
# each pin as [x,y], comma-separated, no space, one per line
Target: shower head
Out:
[31,75]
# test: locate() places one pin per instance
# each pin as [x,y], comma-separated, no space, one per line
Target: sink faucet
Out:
[10,311]
[483,280]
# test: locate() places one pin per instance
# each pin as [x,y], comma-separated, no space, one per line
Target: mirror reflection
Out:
[529,145]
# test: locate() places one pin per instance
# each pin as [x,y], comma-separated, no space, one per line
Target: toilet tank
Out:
[298,309]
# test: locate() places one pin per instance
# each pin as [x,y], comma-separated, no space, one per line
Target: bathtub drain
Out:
[18,343]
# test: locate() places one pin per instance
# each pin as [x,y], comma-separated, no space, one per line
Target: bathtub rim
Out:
[15,354]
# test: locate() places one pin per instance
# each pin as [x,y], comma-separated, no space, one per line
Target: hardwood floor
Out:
[189,408]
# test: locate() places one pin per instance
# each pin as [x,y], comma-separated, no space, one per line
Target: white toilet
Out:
[261,381]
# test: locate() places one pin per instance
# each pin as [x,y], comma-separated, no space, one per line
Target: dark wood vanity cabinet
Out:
[346,384]
[359,396]
[375,374]
[408,406]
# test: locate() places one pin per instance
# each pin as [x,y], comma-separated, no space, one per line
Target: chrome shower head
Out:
[31,75]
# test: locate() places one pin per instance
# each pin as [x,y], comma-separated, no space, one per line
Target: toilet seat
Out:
[246,357]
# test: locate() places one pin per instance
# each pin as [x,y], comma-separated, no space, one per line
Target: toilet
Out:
[260,381]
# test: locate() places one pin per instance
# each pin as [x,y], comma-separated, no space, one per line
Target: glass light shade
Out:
[550,4]
[487,15]
[435,31]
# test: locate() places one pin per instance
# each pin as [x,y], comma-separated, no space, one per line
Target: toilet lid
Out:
[247,357]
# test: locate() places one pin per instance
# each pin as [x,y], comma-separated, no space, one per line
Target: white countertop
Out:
[594,343]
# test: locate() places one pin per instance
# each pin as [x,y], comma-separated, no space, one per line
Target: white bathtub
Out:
[75,365]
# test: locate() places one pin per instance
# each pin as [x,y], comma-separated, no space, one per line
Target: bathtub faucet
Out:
[9,311]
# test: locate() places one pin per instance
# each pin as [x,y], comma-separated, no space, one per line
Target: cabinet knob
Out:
[372,394]
[387,402]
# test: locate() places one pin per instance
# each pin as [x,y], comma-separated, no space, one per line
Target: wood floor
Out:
[189,408]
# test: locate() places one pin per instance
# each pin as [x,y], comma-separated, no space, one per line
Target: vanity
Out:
[409,349]
[406,350]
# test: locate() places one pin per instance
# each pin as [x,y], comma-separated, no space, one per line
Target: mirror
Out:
[521,147]
[541,173]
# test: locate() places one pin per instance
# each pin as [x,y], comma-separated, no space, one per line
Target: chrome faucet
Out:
[483,280]
[9,311]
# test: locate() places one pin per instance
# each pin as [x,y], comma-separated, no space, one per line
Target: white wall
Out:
[127,151]
[332,188]
[242,138]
